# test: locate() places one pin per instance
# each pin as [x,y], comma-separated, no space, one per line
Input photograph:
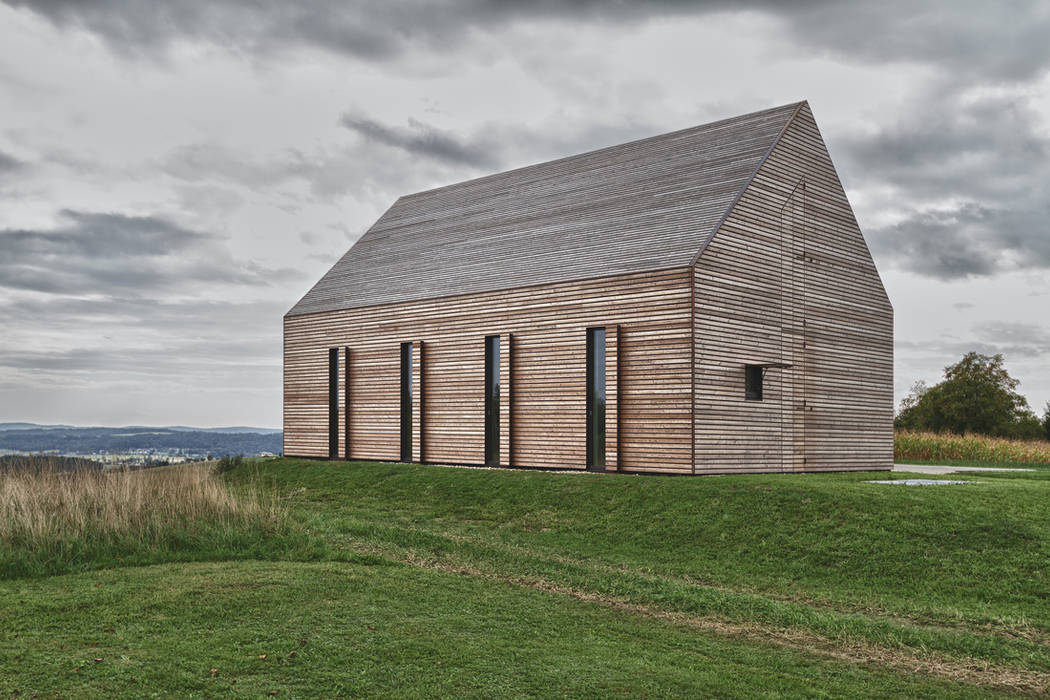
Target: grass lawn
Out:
[539,584]
[349,629]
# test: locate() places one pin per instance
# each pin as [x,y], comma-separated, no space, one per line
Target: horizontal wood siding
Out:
[612,402]
[788,279]
[543,366]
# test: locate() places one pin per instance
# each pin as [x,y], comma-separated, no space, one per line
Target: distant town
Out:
[138,445]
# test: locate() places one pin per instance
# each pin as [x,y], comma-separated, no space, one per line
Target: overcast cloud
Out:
[173,177]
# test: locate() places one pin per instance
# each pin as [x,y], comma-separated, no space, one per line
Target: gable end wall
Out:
[788,279]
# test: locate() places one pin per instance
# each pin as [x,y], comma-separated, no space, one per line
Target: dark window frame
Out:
[346,402]
[596,398]
[406,402]
[492,400]
[753,380]
[333,403]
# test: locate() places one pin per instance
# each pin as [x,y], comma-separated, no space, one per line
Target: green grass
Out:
[967,552]
[532,583]
[388,631]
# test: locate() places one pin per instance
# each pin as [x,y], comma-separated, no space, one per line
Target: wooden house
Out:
[697,302]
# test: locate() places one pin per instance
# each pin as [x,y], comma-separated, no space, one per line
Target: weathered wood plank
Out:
[788,279]
[543,343]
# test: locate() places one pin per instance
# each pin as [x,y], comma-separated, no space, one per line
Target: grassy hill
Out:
[420,581]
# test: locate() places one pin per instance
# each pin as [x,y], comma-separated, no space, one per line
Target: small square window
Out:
[753,382]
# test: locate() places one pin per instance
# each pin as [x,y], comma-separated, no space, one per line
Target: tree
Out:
[1046,421]
[977,395]
[911,416]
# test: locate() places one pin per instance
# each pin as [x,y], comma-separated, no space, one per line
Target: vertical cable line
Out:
[788,321]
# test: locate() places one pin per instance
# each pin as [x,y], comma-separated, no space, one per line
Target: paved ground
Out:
[938,469]
[923,482]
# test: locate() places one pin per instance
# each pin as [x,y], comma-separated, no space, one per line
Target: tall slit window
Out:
[333,403]
[346,402]
[406,402]
[596,398]
[753,382]
[492,400]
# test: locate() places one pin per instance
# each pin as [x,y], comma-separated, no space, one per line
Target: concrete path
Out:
[938,469]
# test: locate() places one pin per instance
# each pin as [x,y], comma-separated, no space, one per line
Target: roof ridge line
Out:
[599,149]
[747,184]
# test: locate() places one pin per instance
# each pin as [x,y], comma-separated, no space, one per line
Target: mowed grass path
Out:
[382,630]
[531,583]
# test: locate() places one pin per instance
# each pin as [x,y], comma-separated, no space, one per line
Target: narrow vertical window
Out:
[492,400]
[333,403]
[346,403]
[753,382]
[596,398]
[406,402]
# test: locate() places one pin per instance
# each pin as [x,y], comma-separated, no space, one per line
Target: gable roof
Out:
[645,205]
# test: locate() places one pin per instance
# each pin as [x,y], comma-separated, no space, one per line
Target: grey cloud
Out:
[9,164]
[327,172]
[96,253]
[965,242]
[96,235]
[972,184]
[386,161]
[945,245]
[235,367]
[145,360]
[369,29]
[194,317]
[425,140]
[968,38]
[490,147]
[208,201]
[945,349]
[197,161]
[1015,339]
[1018,341]
[944,142]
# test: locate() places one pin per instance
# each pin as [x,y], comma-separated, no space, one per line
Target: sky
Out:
[174,177]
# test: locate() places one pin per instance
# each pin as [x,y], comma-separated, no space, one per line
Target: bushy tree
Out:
[1046,421]
[977,395]
[913,413]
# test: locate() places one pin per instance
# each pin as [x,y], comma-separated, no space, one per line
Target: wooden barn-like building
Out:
[697,302]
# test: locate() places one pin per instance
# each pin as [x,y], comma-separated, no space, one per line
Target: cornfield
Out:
[934,447]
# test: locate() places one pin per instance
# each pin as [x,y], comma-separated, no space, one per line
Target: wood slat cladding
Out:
[505,394]
[786,282]
[542,331]
[612,403]
[788,279]
[417,401]
[644,205]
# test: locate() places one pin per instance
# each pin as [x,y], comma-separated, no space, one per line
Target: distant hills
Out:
[232,429]
[161,441]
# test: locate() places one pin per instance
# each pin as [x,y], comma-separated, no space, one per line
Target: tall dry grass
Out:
[52,463]
[52,521]
[934,447]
